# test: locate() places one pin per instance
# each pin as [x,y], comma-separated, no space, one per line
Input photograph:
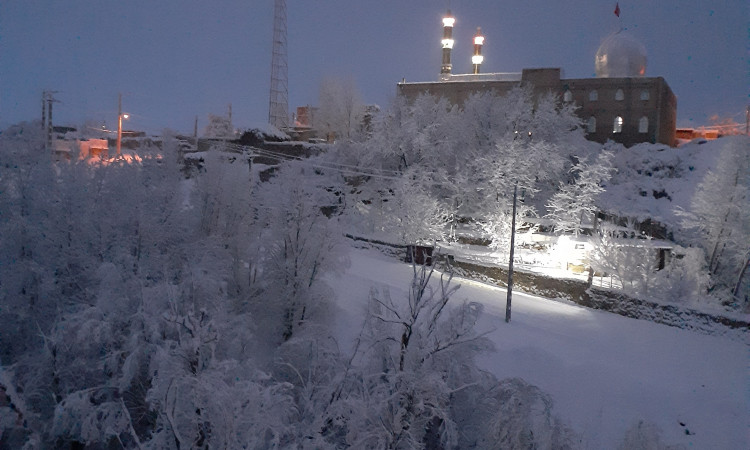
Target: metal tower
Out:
[278,105]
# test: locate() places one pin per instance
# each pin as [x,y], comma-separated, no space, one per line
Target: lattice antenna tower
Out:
[278,105]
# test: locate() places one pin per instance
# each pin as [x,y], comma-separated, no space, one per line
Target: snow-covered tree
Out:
[524,419]
[415,215]
[340,109]
[720,219]
[520,163]
[409,135]
[684,280]
[423,351]
[470,157]
[219,127]
[575,203]
[300,242]
[631,261]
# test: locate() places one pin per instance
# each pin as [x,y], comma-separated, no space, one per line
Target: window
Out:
[643,125]
[591,126]
[619,95]
[568,96]
[645,95]
[593,96]
[617,127]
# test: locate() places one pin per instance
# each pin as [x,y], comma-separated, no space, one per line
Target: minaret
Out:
[477,59]
[447,42]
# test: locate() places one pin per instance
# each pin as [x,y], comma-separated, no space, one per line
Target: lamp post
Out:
[120,116]
[509,298]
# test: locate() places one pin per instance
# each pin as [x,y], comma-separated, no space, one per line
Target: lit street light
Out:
[120,116]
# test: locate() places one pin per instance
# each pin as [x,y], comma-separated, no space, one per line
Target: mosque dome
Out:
[621,55]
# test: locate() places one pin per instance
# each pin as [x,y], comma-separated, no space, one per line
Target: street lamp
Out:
[120,116]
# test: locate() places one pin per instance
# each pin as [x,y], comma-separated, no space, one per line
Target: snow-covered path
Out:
[605,372]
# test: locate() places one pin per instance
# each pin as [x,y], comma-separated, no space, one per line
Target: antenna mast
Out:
[278,105]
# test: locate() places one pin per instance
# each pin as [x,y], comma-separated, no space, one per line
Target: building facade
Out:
[620,104]
[626,110]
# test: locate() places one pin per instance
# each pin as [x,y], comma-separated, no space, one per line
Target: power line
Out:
[340,168]
[343,169]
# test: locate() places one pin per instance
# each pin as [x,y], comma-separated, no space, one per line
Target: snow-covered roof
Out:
[269,131]
[499,76]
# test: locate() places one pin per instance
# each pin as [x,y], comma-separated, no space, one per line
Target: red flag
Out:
[617,9]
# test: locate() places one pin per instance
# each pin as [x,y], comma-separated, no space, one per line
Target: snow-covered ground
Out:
[604,372]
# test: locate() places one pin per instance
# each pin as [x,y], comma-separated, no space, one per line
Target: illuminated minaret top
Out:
[477,58]
[447,42]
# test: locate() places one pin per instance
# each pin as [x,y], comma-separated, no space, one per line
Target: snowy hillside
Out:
[148,304]
[605,373]
[653,181]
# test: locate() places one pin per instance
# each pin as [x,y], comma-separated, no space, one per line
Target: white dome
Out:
[620,55]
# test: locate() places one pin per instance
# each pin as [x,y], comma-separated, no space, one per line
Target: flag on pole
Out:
[617,9]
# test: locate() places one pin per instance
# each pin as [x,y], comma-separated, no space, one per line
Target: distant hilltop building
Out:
[620,104]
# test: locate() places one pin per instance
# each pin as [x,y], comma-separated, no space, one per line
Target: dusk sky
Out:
[177,59]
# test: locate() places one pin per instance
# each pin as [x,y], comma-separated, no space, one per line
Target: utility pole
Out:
[49,123]
[119,125]
[510,263]
[44,110]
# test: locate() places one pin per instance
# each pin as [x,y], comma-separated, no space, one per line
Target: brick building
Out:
[620,103]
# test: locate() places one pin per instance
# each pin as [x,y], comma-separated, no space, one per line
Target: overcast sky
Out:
[177,59]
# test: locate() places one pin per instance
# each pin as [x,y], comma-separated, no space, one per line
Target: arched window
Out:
[645,94]
[593,96]
[619,95]
[591,125]
[643,125]
[617,127]
[568,96]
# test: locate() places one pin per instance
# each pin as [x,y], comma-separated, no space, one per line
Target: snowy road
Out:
[605,372]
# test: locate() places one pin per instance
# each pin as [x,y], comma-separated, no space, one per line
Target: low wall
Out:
[528,282]
[579,292]
[615,302]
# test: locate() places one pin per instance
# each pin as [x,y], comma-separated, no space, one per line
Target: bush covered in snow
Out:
[428,165]
[152,311]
